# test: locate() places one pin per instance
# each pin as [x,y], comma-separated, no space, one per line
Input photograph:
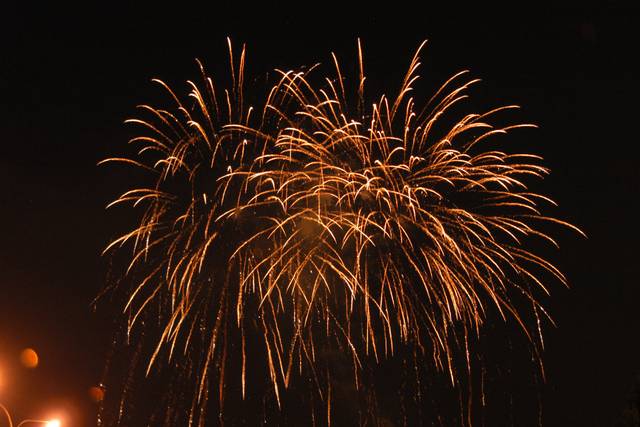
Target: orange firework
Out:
[318,223]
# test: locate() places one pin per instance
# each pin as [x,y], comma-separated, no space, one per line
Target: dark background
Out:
[70,76]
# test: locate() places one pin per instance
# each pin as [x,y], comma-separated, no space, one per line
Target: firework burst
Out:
[273,237]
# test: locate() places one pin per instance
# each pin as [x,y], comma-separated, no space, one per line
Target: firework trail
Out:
[270,238]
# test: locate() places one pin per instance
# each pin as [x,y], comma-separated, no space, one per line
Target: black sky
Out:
[70,76]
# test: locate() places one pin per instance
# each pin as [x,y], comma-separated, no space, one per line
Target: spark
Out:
[316,225]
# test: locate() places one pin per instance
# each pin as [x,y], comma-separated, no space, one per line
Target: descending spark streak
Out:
[381,229]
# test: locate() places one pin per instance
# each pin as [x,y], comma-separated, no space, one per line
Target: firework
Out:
[318,224]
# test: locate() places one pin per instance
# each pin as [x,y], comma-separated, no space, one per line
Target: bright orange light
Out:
[29,358]
[53,423]
[96,394]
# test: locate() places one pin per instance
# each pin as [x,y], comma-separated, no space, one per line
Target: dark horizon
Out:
[69,78]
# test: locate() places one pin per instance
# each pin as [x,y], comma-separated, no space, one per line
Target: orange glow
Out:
[29,358]
[96,394]
[53,423]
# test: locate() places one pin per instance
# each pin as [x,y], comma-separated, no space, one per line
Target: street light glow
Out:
[53,423]
[29,358]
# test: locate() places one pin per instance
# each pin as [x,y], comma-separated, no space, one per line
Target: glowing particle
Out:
[96,394]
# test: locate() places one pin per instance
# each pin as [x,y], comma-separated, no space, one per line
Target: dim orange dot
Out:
[29,358]
[96,394]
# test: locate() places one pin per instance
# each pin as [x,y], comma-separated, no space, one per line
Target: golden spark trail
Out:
[313,225]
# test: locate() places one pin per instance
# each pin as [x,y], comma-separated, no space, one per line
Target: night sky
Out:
[69,77]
